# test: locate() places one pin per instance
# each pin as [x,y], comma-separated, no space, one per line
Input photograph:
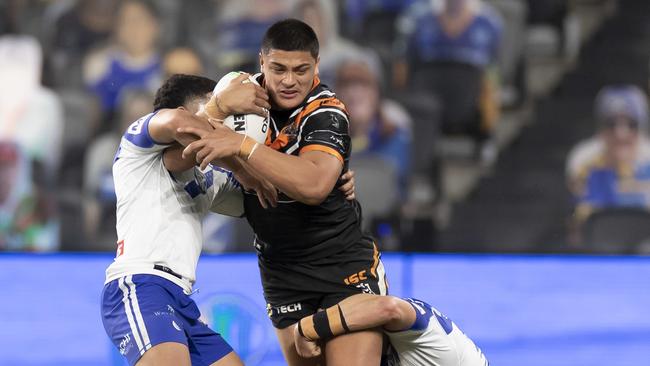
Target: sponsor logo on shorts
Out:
[285,309]
[365,288]
[176,326]
[355,278]
[125,344]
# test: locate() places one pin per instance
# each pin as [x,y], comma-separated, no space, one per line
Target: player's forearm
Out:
[366,311]
[358,312]
[299,178]
[164,126]
[164,129]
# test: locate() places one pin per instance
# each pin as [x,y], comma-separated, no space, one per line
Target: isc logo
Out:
[355,278]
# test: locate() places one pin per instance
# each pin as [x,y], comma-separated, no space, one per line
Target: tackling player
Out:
[146,306]
[311,249]
[419,333]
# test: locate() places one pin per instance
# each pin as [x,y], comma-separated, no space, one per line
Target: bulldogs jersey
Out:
[159,215]
[433,340]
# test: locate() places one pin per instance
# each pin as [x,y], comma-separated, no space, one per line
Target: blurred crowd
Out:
[75,73]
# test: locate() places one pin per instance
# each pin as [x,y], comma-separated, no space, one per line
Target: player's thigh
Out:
[288,346]
[230,359]
[166,354]
[355,349]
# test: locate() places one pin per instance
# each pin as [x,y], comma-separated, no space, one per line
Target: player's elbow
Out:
[389,309]
[172,121]
[313,194]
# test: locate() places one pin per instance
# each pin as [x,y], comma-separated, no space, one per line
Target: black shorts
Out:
[295,290]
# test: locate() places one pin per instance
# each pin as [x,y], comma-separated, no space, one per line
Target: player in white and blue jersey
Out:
[420,335]
[146,306]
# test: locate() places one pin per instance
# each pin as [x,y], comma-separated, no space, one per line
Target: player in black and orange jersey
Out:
[312,252]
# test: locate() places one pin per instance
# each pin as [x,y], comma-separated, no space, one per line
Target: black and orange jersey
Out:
[294,230]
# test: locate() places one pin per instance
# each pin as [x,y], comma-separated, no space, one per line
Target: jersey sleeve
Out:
[326,130]
[137,139]
[226,193]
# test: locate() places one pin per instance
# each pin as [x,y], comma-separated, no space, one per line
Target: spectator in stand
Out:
[182,60]
[27,216]
[85,25]
[612,168]
[99,192]
[357,11]
[133,58]
[30,114]
[231,39]
[323,17]
[378,126]
[451,50]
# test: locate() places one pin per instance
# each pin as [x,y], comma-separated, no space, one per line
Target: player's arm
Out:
[308,178]
[358,312]
[237,98]
[164,125]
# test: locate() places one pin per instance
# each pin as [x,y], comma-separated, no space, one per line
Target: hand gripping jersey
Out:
[433,340]
[159,215]
[292,229]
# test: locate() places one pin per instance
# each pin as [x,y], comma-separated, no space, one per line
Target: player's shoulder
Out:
[490,16]
[322,103]
[584,157]
[138,136]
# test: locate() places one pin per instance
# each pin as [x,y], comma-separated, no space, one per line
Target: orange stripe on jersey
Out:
[315,83]
[325,149]
[281,141]
[375,260]
[330,102]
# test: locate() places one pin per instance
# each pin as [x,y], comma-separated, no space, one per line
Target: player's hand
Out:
[304,346]
[348,187]
[267,194]
[218,143]
[239,97]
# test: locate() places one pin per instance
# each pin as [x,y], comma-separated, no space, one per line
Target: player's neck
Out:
[138,58]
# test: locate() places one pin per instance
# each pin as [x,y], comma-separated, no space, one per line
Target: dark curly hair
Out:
[180,90]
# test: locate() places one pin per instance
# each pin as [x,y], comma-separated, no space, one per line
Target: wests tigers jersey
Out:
[293,229]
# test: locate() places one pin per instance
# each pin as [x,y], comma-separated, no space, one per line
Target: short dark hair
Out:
[180,89]
[290,35]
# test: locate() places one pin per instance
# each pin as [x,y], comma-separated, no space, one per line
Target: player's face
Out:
[289,76]
[621,136]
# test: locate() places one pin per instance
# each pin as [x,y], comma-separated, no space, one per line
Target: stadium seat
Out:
[376,186]
[79,117]
[458,87]
[379,32]
[617,230]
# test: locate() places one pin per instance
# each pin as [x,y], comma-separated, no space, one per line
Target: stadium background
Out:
[431,189]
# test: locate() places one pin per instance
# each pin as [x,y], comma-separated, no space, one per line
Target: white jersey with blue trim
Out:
[159,215]
[433,340]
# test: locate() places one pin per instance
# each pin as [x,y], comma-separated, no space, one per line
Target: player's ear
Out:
[317,71]
[261,62]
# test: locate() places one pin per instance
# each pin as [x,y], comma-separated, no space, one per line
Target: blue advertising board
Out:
[521,310]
